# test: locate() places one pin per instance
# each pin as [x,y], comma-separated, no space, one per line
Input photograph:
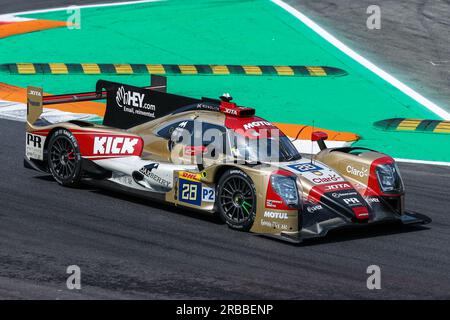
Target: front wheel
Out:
[236,201]
[64,160]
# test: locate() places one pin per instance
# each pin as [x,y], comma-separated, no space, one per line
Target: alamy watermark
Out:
[74,19]
[74,280]
[374,20]
[374,280]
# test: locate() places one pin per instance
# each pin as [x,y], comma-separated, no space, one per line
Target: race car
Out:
[214,156]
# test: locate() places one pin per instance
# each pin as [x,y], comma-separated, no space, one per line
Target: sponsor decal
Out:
[337,195]
[34,146]
[147,171]
[275,215]
[133,102]
[114,145]
[208,194]
[207,107]
[274,224]
[35,93]
[363,172]
[314,208]
[372,200]
[352,201]
[337,187]
[305,167]
[361,213]
[273,203]
[254,124]
[123,179]
[330,178]
[190,176]
[190,192]
[230,111]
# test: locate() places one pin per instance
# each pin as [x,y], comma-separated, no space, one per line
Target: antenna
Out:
[312,143]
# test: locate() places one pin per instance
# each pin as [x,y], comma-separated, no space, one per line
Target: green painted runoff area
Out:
[230,32]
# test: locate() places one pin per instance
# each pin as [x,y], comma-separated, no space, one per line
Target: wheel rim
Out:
[62,158]
[237,199]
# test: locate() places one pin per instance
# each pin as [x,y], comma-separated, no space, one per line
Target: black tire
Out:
[64,159]
[236,199]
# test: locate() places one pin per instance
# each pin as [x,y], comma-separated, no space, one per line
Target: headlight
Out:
[286,188]
[389,177]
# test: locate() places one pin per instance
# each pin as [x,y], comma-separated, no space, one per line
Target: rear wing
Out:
[126,106]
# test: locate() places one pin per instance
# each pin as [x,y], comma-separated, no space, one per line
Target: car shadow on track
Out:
[349,234]
[334,236]
[154,204]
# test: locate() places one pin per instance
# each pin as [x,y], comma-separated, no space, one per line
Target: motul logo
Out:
[256,124]
[114,145]
[275,215]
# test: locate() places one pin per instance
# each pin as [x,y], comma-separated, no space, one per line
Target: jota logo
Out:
[115,145]
[34,93]
[230,111]
[336,187]
[363,172]
[275,215]
[132,99]
[256,124]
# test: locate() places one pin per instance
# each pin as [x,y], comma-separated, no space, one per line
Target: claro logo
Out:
[330,178]
[115,145]
[130,99]
[363,172]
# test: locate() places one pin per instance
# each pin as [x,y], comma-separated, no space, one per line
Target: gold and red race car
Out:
[215,156]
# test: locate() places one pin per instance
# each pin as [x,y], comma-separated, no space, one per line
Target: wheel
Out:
[64,160]
[236,200]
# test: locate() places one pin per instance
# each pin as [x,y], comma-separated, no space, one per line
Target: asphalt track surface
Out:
[132,248]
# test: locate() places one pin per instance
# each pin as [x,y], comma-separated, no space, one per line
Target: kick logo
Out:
[115,145]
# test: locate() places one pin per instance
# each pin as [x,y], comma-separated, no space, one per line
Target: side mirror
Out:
[320,137]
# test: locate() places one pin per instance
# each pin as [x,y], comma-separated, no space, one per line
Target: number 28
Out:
[189,192]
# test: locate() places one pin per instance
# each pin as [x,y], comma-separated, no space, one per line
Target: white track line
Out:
[435,163]
[363,61]
[99,5]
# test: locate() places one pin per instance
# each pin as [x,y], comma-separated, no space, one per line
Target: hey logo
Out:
[129,98]
[114,145]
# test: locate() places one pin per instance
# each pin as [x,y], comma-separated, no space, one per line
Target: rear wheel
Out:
[236,200]
[64,160]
